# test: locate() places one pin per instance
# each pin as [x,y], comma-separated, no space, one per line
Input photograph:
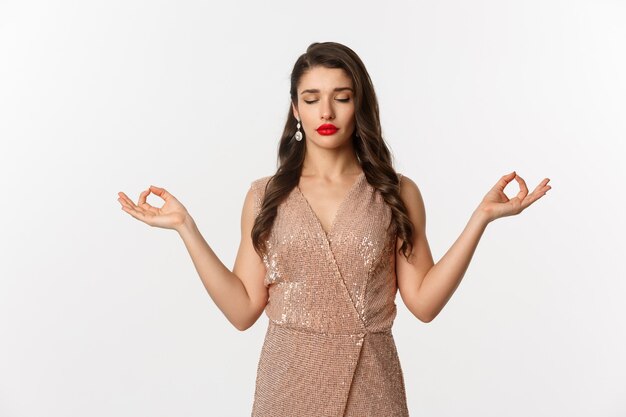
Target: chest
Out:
[326,202]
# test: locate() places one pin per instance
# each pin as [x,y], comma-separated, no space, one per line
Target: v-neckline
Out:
[339,208]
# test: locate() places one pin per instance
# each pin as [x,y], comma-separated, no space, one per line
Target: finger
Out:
[522,183]
[145,205]
[137,213]
[523,189]
[531,199]
[131,207]
[122,196]
[161,192]
[538,192]
[129,204]
[142,197]
[124,200]
[542,187]
[504,180]
[144,208]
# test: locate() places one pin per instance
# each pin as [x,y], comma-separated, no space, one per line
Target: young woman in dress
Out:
[325,244]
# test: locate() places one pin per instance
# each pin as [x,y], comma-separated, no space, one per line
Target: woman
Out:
[327,241]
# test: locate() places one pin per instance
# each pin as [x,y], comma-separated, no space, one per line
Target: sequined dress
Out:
[328,349]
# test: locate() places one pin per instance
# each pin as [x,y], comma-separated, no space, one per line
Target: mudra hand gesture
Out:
[171,216]
[496,204]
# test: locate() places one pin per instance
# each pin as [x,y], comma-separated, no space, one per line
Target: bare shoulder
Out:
[407,185]
[413,200]
[409,191]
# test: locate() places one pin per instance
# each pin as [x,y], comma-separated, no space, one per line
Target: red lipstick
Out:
[327,129]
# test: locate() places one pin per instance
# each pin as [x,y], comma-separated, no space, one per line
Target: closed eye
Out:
[343,100]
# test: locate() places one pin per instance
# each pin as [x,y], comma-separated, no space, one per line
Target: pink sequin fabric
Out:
[328,349]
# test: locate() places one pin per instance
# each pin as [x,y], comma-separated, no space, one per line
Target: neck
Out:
[330,163]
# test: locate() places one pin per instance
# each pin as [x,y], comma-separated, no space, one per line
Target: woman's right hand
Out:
[171,216]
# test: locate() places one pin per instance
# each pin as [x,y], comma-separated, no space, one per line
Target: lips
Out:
[327,129]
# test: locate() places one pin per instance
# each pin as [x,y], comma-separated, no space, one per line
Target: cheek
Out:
[350,116]
[312,119]
[306,120]
[308,123]
[305,116]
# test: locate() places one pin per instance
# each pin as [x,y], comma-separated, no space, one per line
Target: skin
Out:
[330,169]
[330,165]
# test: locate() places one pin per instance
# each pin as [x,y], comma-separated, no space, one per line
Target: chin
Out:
[331,143]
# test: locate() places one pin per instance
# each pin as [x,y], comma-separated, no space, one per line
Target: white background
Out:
[101,315]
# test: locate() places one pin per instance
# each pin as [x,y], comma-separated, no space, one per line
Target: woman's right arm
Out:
[240,294]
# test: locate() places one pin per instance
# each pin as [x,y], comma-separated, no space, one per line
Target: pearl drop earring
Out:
[298,135]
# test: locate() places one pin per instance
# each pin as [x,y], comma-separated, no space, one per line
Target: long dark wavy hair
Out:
[370,147]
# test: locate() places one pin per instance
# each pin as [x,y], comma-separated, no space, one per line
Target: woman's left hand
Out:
[496,204]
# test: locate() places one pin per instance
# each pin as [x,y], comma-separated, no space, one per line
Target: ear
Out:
[295,111]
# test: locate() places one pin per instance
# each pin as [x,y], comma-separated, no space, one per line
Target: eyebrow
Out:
[315,90]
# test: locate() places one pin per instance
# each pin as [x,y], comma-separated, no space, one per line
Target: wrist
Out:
[482,217]
[187,225]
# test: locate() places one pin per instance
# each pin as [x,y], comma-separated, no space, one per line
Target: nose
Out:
[327,110]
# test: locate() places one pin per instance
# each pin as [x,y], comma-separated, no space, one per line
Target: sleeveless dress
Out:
[328,349]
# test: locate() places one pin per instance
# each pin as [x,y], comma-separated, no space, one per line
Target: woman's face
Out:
[326,96]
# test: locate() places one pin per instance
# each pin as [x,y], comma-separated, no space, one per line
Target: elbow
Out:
[248,316]
[242,326]
[420,310]
[421,313]
[425,312]
[239,326]
[426,319]
[421,316]
[426,316]
[244,323]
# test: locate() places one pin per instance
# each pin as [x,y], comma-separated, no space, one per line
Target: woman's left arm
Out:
[426,287]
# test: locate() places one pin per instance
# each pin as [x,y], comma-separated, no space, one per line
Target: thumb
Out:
[161,192]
